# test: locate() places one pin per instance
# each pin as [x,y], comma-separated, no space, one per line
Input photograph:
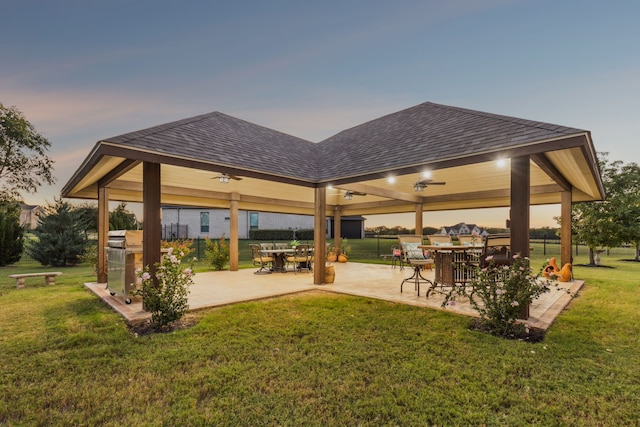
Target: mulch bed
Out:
[534,335]
[145,327]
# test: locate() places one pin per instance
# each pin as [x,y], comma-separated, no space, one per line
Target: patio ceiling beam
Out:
[353,208]
[117,172]
[208,194]
[490,194]
[547,167]
[276,202]
[505,193]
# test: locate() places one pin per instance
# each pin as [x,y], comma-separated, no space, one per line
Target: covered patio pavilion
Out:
[380,163]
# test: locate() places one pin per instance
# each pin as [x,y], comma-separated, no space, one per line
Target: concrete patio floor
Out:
[219,288]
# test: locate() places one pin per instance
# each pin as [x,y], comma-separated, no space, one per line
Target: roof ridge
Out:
[508,119]
[151,130]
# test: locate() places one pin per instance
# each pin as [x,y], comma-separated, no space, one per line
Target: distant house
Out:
[463,229]
[192,223]
[29,215]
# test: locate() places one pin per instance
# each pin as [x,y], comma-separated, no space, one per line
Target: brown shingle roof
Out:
[226,140]
[426,133]
[421,134]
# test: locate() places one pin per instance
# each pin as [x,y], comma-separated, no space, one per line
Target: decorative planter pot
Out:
[342,258]
[329,273]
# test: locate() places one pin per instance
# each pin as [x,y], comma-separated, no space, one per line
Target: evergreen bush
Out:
[11,233]
[59,237]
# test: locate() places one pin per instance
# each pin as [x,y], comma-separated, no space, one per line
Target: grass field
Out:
[318,359]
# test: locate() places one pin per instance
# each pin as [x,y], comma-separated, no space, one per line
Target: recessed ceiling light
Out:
[501,163]
[391,179]
[426,174]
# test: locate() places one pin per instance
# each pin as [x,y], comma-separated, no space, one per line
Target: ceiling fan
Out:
[349,194]
[224,178]
[421,185]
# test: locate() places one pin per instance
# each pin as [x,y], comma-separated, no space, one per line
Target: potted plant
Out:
[332,254]
[344,250]
[294,243]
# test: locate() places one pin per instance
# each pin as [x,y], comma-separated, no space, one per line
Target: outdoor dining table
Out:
[279,256]
[454,264]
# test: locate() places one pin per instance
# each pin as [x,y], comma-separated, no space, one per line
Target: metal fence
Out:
[374,248]
[175,231]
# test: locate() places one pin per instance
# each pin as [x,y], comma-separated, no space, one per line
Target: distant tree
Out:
[24,164]
[597,224]
[11,233]
[623,193]
[429,230]
[495,230]
[384,230]
[122,219]
[544,233]
[60,240]
[87,215]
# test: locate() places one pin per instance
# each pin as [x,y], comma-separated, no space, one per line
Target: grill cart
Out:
[124,256]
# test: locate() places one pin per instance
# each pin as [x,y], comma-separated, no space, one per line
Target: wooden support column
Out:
[151,216]
[565,228]
[319,235]
[419,219]
[520,216]
[337,226]
[520,202]
[234,252]
[103,232]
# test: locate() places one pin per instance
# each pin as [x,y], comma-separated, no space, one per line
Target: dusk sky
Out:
[82,71]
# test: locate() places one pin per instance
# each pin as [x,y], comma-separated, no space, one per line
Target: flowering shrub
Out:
[500,292]
[91,256]
[179,246]
[167,301]
[217,253]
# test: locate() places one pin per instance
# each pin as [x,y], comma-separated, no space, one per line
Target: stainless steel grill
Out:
[124,256]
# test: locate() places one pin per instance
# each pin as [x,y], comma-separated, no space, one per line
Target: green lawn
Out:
[317,359]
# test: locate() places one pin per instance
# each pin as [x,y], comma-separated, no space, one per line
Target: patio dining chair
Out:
[301,258]
[439,240]
[470,240]
[476,245]
[396,257]
[267,246]
[260,259]
[414,256]
[499,247]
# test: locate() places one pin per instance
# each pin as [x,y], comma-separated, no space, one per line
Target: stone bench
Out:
[49,278]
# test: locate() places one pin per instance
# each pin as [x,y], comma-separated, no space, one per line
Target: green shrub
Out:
[217,253]
[91,255]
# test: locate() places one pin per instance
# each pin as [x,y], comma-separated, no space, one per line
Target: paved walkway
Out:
[218,288]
